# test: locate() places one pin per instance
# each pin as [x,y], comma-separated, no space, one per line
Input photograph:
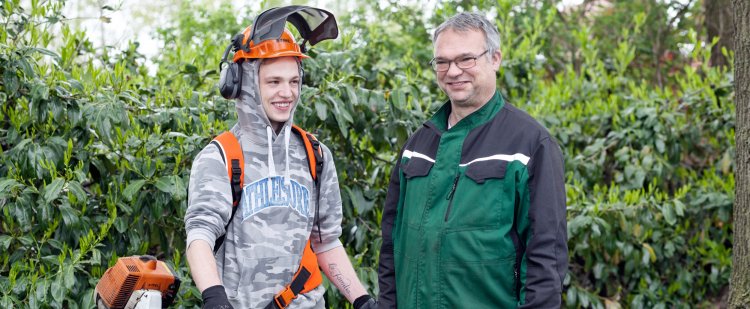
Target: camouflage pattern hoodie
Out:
[276,215]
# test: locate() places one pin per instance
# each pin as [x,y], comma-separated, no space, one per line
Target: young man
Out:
[475,212]
[280,209]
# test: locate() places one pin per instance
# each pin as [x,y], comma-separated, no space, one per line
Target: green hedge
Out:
[96,151]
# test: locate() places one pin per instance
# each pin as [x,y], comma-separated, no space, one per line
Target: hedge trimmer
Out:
[137,282]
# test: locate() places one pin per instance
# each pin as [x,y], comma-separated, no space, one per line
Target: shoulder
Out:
[426,134]
[515,126]
[326,152]
[302,149]
[522,122]
[323,147]
[210,154]
[511,133]
[208,166]
[540,143]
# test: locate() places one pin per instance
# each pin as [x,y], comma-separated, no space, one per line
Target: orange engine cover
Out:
[136,273]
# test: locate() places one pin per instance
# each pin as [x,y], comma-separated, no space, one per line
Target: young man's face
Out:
[279,88]
[470,87]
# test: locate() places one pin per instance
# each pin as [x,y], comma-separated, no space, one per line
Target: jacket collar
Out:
[439,121]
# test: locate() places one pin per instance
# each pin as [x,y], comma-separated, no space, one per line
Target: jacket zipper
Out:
[517,264]
[520,247]
[450,196]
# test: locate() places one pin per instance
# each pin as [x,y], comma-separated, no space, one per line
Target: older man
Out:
[475,212]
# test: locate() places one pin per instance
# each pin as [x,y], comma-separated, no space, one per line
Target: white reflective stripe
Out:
[502,157]
[409,154]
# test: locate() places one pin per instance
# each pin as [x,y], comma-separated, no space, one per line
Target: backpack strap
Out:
[231,153]
[313,150]
[315,160]
[306,279]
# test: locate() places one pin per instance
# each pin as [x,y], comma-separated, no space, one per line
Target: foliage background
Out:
[96,150]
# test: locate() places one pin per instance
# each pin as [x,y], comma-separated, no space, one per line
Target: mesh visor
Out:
[313,24]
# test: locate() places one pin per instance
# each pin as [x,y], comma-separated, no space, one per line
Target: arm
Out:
[202,265]
[386,269]
[547,249]
[206,277]
[209,209]
[339,270]
[327,230]
[325,235]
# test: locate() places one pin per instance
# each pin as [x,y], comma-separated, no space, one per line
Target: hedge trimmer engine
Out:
[137,282]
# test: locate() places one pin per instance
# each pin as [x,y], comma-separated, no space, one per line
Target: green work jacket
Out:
[475,215]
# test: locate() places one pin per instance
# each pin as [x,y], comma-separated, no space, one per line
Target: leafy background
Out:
[96,144]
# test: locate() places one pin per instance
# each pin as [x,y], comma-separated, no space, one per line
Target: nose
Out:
[453,70]
[285,91]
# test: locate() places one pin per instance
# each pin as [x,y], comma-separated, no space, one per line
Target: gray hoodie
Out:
[266,238]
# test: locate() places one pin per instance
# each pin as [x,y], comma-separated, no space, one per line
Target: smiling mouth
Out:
[457,83]
[282,105]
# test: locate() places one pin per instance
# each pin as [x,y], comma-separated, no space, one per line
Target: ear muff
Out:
[230,81]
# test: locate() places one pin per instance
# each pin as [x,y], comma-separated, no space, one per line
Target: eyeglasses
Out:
[463,62]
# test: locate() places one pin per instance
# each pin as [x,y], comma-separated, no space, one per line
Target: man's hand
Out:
[365,302]
[215,298]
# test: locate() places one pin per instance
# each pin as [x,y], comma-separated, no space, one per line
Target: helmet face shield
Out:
[314,25]
[269,38]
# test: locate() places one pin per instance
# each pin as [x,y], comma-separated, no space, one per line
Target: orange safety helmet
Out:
[272,48]
[269,38]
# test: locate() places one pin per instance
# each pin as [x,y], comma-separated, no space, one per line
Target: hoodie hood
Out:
[253,123]
[252,118]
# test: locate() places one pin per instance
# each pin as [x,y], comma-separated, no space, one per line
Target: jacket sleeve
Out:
[329,203]
[547,248]
[386,269]
[209,197]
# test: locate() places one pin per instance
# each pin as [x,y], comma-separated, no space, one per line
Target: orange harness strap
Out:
[305,280]
[231,152]
[314,152]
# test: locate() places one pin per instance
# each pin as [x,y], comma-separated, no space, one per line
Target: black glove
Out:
[215,298]
[365,302]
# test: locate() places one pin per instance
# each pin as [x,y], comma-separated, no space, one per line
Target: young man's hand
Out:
[365,302]
[215,298]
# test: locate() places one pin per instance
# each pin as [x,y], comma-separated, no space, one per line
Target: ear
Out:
[497,58]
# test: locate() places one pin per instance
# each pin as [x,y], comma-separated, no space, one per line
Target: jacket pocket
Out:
[477,269]
[417,191]
[416,168]
[484,170]
[481,285]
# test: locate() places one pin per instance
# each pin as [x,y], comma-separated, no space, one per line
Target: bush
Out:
[96,151]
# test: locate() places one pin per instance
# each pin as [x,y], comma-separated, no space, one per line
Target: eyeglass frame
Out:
[434,64]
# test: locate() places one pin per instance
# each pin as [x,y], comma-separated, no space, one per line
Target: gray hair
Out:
[472,21]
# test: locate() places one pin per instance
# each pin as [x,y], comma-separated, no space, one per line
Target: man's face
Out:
[471,87]
[279,88]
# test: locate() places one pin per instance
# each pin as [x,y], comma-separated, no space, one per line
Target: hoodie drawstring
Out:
[271,164]
[287,133]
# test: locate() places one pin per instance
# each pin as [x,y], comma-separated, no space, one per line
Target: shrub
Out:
[96,151]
